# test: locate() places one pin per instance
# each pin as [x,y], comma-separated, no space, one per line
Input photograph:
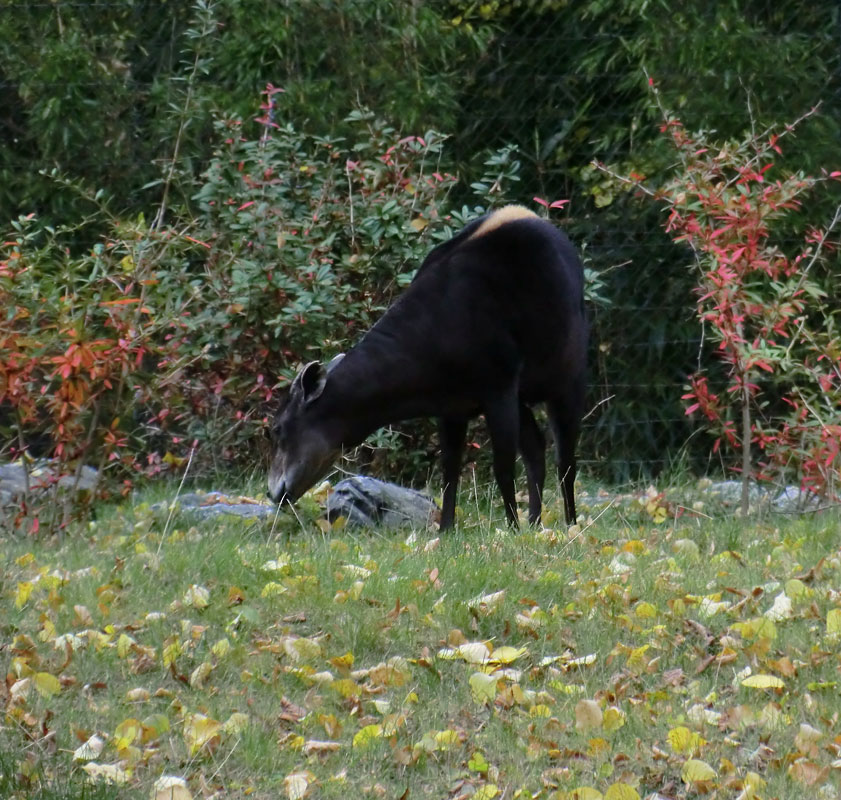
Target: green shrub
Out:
[163,342]
[770,392]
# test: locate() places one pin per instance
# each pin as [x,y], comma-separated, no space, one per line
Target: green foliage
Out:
[72,344]
[104,91]
[773,383]
[79,84]
[163,343]
[121,99]
[309,237]
[765,310]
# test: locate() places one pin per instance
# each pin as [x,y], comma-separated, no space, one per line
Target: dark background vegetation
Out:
[110,116]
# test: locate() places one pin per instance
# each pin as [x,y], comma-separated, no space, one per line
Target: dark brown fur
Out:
[492,324]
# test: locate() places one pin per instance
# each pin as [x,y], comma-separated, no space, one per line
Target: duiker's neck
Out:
[377,383]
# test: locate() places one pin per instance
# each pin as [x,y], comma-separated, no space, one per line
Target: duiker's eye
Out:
[276,435]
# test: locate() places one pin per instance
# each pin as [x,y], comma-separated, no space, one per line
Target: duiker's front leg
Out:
[564,415]
[452,432]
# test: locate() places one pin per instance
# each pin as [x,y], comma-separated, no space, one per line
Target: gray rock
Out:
[368,502]
[12,478]
[792,500]
[729,493]
[216,504]
[41,476]
[87,480]
[246,510]
[363,501]
[193,499]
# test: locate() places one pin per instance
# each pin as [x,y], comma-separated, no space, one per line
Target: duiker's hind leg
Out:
[533,451]
[452,432]
[565,419]
[502,416]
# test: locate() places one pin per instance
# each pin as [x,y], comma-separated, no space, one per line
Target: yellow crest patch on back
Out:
[501,217]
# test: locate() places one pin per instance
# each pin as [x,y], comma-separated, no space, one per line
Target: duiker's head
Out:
[301,452]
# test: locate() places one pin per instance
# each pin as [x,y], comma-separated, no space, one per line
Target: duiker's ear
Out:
[309,382]
[334,362]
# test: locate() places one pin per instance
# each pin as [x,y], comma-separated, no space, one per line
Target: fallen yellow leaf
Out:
[695,771]
[645,610]
[507,655]
[126,733]
[446,739]
[197,597]
[301,649]
[763,682]
[169,787]
[110,773]
[585,793]
[684,741]
[637,659]
[345,687]
[614,719]
[199,731]
[315,746]
[221,648]
[588,715]
[478,762]
[200,674]
[474,652]
[46,684]
[621,791]
[297,783]
[272,589]
[364,736]
[236,723]
[23,593]
[483,687]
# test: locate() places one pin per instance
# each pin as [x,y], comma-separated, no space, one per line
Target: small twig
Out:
[819,247]
[476,492]
[183,122]
[616,176]
[350,203]
[789,128]
[590,525]
[595,407]
[176,370]
[172,505]
[224,761]
[750,109]
[23,452]
[274,520]
[693,511]
[612,267]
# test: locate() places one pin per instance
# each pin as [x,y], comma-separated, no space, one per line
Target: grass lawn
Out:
[694,657]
